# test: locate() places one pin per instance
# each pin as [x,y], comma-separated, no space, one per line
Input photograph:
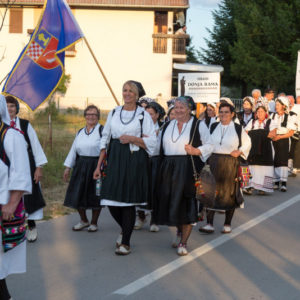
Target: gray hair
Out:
[188,101]
[256,91]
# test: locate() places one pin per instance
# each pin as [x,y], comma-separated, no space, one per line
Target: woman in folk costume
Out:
[210,114]
[15,180]
[184,144]
[170,113]
[157,112]
[230,142]
[129,138]
[260,159]
[246,115]
[35,202]
[286,127]
[83,159]
[235,119]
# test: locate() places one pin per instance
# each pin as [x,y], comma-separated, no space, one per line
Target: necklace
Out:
[223,132]
[263,123]
[126,123]
[182,131]
[88,133]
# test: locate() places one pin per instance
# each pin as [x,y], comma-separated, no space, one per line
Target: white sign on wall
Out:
[203,87]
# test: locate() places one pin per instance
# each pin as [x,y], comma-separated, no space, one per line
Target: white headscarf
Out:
[3,110]
[228,100]
[213,104]
[284,101]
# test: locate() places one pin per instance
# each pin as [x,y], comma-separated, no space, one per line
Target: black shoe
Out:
[247,191]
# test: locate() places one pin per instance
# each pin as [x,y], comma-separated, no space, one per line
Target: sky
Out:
[199,17]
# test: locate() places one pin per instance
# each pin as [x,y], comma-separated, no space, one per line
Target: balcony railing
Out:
[179,43]
[160,43]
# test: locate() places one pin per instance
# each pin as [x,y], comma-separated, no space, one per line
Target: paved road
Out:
[260,259]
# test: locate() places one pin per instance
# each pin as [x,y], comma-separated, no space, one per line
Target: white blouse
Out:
[226,140]
[115,128]
[296,109]
[291,123]
[211,121]
[174,142]
[40,158]
[84,145]
[258,125]
[17,177]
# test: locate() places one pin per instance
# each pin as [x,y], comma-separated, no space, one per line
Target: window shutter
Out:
[16,20]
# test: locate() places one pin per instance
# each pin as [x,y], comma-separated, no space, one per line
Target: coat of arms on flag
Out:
[43,49]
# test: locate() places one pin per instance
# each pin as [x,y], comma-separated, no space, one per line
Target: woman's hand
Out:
[126,139]
[9,209]
[235,153]
[97,174]
[276,138]
[38,174]
[192,150]
[272,134]
[66,174]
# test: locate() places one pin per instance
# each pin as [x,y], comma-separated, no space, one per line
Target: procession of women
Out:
[170,166]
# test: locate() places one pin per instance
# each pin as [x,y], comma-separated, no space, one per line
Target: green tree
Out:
[256,41]
[63,84]
[267,36]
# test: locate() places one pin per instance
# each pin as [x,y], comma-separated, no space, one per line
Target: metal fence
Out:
[238,104]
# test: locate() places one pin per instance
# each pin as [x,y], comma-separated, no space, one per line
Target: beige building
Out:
[132,39]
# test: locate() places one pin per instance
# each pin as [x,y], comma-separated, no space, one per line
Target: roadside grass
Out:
[64,129]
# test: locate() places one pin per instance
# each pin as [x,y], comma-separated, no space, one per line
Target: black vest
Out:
[285,119]
[3,156]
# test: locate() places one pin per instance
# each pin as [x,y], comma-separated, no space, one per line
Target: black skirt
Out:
[261,153]
[81,192]
[175,193]
[228,194]
[128,175]
[296,162]
[281,148]
[35,200]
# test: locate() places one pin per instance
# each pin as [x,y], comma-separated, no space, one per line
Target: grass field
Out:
[64,129]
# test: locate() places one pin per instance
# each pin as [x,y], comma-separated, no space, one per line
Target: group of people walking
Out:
[148,164]
[139,163]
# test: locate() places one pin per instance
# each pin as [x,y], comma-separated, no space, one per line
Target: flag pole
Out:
[101,71]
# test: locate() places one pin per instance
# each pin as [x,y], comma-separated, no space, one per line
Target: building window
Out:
[160,41]
[16,20]
[161,22]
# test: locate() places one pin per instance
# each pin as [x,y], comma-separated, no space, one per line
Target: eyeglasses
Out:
[224,112]
[91,115]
